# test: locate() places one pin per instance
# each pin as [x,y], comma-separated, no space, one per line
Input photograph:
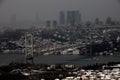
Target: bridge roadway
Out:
[59,49]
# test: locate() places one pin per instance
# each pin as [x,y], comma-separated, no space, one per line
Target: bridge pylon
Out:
[29,48]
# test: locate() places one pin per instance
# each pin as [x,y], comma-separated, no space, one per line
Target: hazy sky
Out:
[49,9]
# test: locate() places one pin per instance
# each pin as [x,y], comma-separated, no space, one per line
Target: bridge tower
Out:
[29,48]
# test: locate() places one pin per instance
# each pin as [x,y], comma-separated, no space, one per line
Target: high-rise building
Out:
[54,23]
[62,18]
[13,19]
[37,19]
[48,23]
[73,18]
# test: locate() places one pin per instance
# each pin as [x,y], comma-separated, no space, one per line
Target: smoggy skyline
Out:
[49,9]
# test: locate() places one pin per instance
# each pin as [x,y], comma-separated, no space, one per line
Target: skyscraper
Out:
[77,17]
[37,19]
[73,18]
[48,23]
[62,18]
[13,19]
[54,23]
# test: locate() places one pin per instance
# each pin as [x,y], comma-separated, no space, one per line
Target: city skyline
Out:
[49,10]
[59,40]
